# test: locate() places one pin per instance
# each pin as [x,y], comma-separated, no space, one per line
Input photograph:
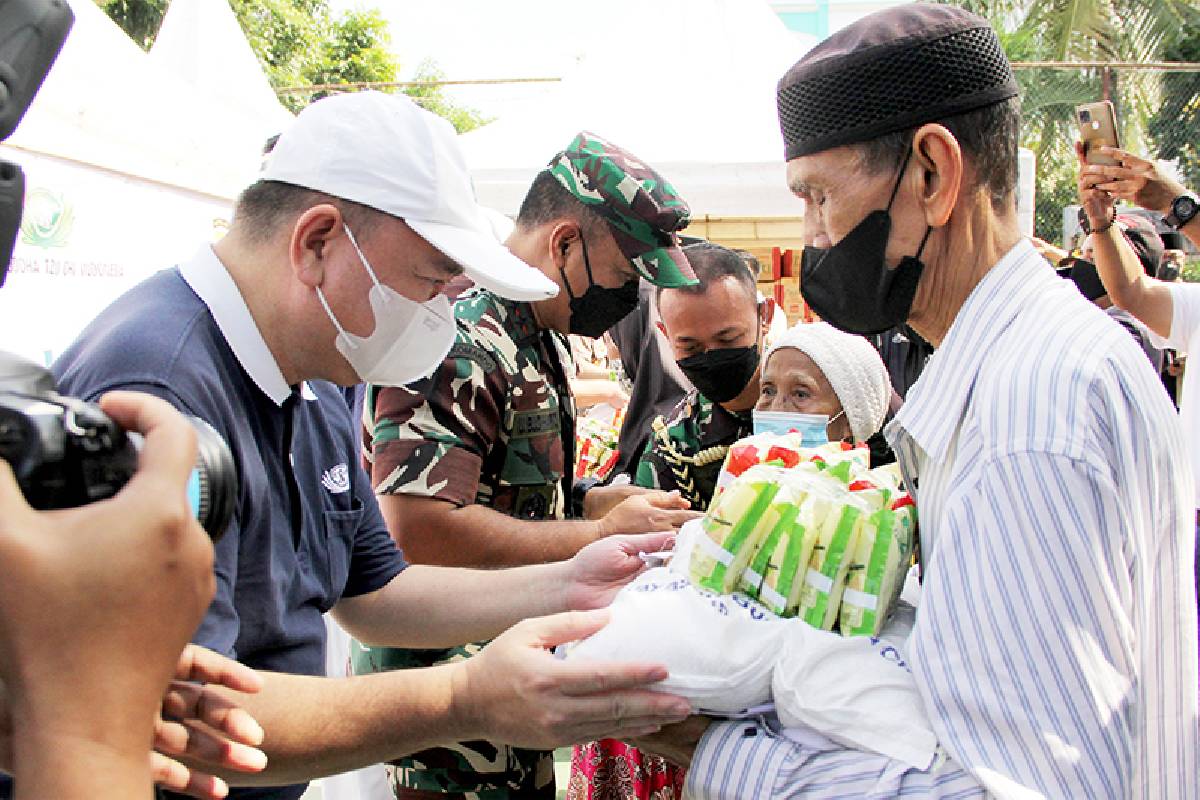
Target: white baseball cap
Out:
[386,152]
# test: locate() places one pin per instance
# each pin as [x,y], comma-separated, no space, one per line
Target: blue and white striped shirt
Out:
[1055,642]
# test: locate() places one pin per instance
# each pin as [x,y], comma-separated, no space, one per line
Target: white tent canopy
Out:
[201,42]
[106,104]
[129,168]
[687,85]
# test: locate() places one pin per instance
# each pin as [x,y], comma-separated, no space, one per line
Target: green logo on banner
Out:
[47,220]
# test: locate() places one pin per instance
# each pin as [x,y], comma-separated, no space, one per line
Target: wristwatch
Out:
[1183,209]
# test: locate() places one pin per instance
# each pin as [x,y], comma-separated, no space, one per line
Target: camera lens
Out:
[213,486]
[1085,116]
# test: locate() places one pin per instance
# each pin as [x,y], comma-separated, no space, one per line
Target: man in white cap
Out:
[332,273]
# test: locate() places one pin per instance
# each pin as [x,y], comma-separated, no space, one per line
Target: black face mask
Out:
[598,308]
[850,286]
[721,375]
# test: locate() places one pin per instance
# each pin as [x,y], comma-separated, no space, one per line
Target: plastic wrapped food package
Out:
[776,573]
[878,567]
[719,649]
[726,653]
[734,528]
[825,579]
[783,450]
[596,439]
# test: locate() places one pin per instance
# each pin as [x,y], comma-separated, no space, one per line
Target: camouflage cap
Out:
[643,211]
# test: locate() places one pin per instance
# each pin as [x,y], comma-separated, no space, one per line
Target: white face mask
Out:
[410,339]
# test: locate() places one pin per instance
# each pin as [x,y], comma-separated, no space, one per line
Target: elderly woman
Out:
[812,369]
[816,369]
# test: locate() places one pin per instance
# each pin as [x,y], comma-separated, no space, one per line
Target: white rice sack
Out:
[858,691]
[719,649]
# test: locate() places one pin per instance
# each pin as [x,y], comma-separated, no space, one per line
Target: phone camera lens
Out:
[1085,116]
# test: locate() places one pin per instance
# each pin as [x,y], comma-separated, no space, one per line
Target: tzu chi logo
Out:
[47,220]
[336,479]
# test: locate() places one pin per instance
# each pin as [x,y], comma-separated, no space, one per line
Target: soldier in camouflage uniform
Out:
[473,464]
[715,329]
[685,452]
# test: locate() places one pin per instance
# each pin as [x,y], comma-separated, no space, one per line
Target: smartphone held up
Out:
[1097,127]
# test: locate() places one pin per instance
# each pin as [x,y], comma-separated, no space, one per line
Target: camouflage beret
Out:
[643,211]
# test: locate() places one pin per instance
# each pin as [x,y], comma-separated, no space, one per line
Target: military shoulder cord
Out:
[681,465]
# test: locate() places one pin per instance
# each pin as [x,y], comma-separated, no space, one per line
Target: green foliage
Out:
[434,98]
[300,43]
[138,18]
[1158,115]
[1175,126]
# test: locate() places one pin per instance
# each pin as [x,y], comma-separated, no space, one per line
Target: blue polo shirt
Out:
[307,529]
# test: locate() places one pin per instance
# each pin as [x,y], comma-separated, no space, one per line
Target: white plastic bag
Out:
[858,691]
[719,649]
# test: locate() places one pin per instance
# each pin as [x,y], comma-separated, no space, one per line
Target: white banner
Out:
[87,235]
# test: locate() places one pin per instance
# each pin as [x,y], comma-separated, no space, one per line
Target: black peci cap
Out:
[891,71]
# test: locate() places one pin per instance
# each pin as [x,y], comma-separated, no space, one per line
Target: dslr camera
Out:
[66,452]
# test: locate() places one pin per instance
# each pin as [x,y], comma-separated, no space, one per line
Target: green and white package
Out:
[734,528]
[826,576]
[776,573]
[877,571]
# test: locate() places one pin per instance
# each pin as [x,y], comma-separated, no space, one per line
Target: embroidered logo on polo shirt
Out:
[337,479]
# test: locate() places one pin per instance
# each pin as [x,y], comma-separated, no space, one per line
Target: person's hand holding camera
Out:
[99,603]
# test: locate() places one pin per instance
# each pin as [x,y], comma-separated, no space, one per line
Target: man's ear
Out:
[563,236]
[940,161]
[312,232]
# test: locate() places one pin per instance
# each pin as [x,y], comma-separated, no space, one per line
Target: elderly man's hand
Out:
[676,743]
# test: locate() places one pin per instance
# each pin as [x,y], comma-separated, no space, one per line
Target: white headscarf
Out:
[853,368]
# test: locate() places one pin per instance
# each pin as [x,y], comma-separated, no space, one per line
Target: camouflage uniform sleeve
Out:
[649,472]
[654,470]
[430,438]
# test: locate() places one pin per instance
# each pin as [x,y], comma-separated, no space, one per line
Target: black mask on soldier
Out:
[598,308]
[722,374]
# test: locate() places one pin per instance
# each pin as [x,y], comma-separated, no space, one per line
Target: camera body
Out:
[66,452]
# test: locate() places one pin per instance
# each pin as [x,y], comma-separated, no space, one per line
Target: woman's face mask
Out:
[795,395]
[813,428]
